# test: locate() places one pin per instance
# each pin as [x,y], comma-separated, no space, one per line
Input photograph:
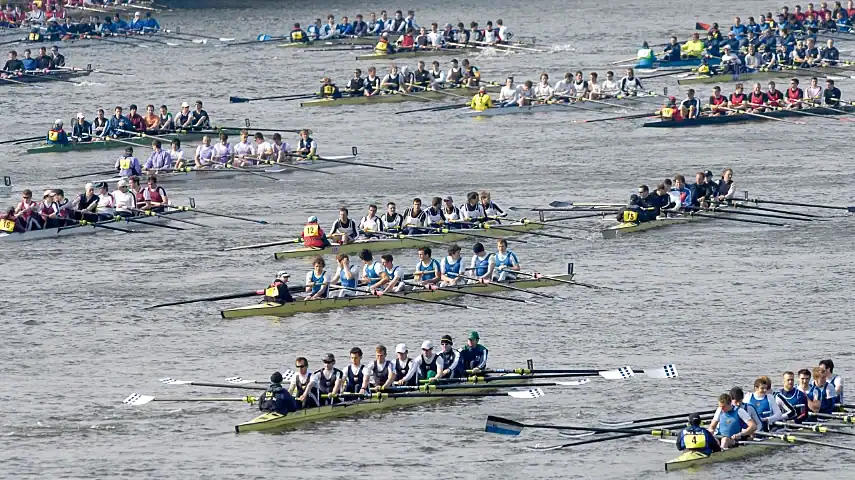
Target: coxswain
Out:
[821,396]
[303,385]
[506,262]
[298,35]
[86,203]
[669,111]
[795,95]
[543,90]
[313,235]
[836,381]
[403,364]
[691,106]
[393,81]
[645,57]
[672,51]
[8,221]
[56,135]
[328,89]
[450,268]
[344,228]
[725,188]
[630,84]
[137,121]
[328,381]
[415,219]
[128,165]
[765,404]
[278,291]
[370,223]
[427,271]
[428,366]
[695,438]
[831,96]
[346,275]
[483,264]
[471,74]
[317,280]
[791,399]
[370,269]
[718,102]
[355,86]
[355,376]
[449,211]
[106,202]
[731,423]
[738,100]
[774,96]
[383,47]
[481,101]
[306,147]
[454,77]
[154,196]
[391,276]
[276,398]
[392,220]
[473,356]
[381,371]
[633,212]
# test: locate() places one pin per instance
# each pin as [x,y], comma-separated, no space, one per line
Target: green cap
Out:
[473,335]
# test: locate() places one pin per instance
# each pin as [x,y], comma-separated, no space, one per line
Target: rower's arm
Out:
[365,378]
[390,377]
[413,369]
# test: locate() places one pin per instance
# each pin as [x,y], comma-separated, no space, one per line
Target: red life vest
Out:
[26,213]
[313,235]
[737,99]
[718,101]
[775,97]
[757,98]
[407,41]
[45,210]
[140,196]
[796,94]
[155,195]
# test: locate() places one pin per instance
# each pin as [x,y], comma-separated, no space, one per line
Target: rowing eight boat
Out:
[584,104]
[624,228]
[111,143]
[325,304]
[428,95]
[410,241]
[53,76]
[693,459]
[334,42]
[425,52]
[787,72]
[746,117]
[140,223]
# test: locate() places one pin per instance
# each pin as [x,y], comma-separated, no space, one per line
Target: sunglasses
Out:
[328,361]
[301,366]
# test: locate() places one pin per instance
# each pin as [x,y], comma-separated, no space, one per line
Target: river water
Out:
[723,301]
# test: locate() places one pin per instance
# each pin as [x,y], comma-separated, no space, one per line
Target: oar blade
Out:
[239,380]
[526,394]
[574,383]
[172,381]
[576,435]
[621,373]
[237,100]
[543,448]
[137,399]
[560,204]
[667,371]
[503,426]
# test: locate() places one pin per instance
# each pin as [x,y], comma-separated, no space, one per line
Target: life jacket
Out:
[408,41]
[155,195]
[737,99]
[54,135]
[756,99]
[481,102]
[313,235]
[298,36]
[775,98]
[382,47]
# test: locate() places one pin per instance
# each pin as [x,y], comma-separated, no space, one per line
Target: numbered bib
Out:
[310,231]
[271,292]
[125,163]
[7,225]
[695,440]
[630,216]
[297,36]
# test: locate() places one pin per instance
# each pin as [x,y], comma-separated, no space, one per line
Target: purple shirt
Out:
[158,160]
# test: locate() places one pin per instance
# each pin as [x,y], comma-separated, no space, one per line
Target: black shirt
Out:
[832,96]
[58,60]
[13,65]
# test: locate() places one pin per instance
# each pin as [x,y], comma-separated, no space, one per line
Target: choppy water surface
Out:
[724,301]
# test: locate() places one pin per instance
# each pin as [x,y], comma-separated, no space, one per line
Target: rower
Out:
[610,88]
[391,219]
[437,76]
[731,423]
[683,192]
[812,53]
[421,77]
[330,29]
[829,55]
[346,275]
[47,210]
[313,235]
[307,147]
[244,149]
[64,210]
[757,99]
[302,385]
[137,121]
[795,95]
[184,120]
[199,118]
[106,202]
[629,84]
[356,86]
[13,66]
[86,203]
[281,149]
[821,396]
[370,223]
[543,91]
[474,355]
[435,37]
[155,196]
[718,102]
[455,74]
[481,101]
[453,367]
[126,202]
[765,405]
[645,57]
[356,378]
[581,86]
[450,268]
[472,210]
[165,120]
[831,96]
[738,396]
[506,262]
[483,264]
[449,211]
[276,398]
[669,111]
[564,90]
[738,100]
[652,203]
[372,83]
[151,120]
[414,218]
[427,271]
[328,380]
[403,364]
[702,191]
[471,74]
[26,210]
[433,215]
[223,152]
[525,96]
[82,130]
[391,277]
[422,40]
[135,190]
[56,135]
[693,48]
[813,93]
[278,291]
[204,153]
[695,438]
[730,62]
[774,96]
[836,381]
[128,165]
[298,35]
[344,228]
[427,366]
[725,189]
[30,63]
[382,372]
[328,89]
[383,47]
[792,399]
[672,50]
[691,106]
[317,281]
[370,269]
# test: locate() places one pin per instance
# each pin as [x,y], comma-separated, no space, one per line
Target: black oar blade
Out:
[560,204]
[238,100]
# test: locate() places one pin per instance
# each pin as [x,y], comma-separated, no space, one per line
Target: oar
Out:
[753,214]
[810,205]
[401,236]
[655,419]
[536,275]
[745,112]
[151,213]
[345,162]
[505,426]
[105,72]
[99,224]
[208,299]
[666,74]
[520,394]
[136,399]
[721,217]
[489,226]
[465,292]
[221,39]
[775,210]
[667,371]
[405,297]
[560,204]
[172,381]
[287,165]
[795,439]
[260,38]
[244,170]
[277,97]
[430,387]
[622,117]
[53,78]
[263,245]
[508,287]
[465,233]
[224,215]
[815,428]
[802,112]
[618,62]
[23,140]
[247,127]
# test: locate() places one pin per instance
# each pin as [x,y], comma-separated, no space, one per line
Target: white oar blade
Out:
[203,41]
[223,39]
[530,393]
[576,435]
[137,399]
[667,371]
[544,448]
[287,375]
[172,381]
[239,380]
[616,424]
[574,383]
[621,373]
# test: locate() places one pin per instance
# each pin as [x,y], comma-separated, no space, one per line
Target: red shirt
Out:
[138,122]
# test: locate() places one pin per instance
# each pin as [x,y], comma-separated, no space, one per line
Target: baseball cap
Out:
[329,358]
[448,198]
[427,345]
[401,348]
[81,115]
[185,105]
[312,219]
[473,335]
[122,183]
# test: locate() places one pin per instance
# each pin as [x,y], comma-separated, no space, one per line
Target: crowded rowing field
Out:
[723,301]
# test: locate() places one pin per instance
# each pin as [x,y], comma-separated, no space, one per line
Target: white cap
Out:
[47,193]
[312,219]
[283,273]
[427,345]
[88,187]
[401,348]
[80,115]
[185,105]
[58,122]
[122,183]
[136,14]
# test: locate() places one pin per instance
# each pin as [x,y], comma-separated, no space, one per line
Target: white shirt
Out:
[264,148]
[417,362]
[504,33]
[609,87]
[543,91]
[124,201]
[837,384]
[204,153]
[387,366]
[565,89]
[435,38]
[490,36]
[730,57]
[509,94]
[283,147]
[244,148]
[106,203]
[373,224]
[302,379]
[222,152]
[176,155]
